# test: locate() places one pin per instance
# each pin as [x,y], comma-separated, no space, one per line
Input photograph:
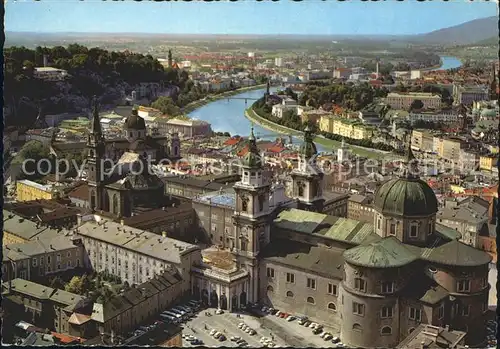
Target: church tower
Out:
[307,178]
[252,215]
[343,153]
[95,157]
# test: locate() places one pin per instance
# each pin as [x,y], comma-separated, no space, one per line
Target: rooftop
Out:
[225,198]
[432,337]
[35,185]
[25,228]
[37,247]
[221,259]
[136,240]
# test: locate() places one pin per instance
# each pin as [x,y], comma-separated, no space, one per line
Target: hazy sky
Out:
[242,17]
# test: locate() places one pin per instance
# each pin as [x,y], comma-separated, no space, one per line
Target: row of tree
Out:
[349,96]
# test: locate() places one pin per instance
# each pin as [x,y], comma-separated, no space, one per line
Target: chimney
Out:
[164,234]
[122,222]
[447,328]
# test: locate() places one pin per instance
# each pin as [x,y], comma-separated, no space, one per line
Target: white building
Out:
[278,61]
[50,73]
[280,109]
[440,116]
[415,74]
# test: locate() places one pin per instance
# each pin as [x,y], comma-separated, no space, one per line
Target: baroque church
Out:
[123,184]
[375,282]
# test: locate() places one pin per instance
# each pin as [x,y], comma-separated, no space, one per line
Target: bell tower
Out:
[307,178]
[96,150]
[252,215]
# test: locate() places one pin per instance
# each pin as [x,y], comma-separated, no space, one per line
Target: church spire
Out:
[170,61]
[95,123]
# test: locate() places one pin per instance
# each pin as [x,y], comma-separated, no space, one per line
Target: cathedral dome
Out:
[135,122]
[406,197]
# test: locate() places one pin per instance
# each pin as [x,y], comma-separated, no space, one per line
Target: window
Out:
[387,287]
[379,223]
[23,274]
[392,229]
[48,259]
[41,260]
[386,331]
[413,230]
[463,286]
[358,308]
[244,204]
[429,229]
[332,289]
[69,254]
[290,278]
[484,282]
[357,327]
[415,314]
[360,284]
[68,264]
[270,289]
[261,203]
[270,272]
[386,312]
[34,262]
[441,312]
[465,310]
[310,300]
[289,294]
[332,307]
[243,246]
[311,283]
[59,267]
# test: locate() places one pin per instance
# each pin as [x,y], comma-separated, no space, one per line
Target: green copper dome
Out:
[252,158]
[308,148]
[406,197]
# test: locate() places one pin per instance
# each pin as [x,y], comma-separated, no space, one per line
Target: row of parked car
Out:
[181,313]
[316,328]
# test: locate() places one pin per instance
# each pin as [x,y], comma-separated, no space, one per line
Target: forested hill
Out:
[91,72]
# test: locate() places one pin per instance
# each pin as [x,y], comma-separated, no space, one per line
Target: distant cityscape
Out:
[335,196]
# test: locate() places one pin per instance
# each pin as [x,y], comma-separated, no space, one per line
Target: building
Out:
[404,100]
[468,94]
[130,184]
[279,110]
[360,208]
[326,123]
[190,187]
[50,73]
[488,162]
[185,128]
[422,140]
[17,229]
[134,254]
[468,159]
[34,260]
[449,149]
[28,191]
[44,306]
[278,61]
[468,217]
[434,116]
[314,116]
[430,337]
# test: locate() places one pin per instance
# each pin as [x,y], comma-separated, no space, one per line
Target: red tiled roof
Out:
[64,338]
[232,141]
[80,192]
[275,149]
[243,152]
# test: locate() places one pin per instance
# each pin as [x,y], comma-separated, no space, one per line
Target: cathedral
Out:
[124,184]
[374,282]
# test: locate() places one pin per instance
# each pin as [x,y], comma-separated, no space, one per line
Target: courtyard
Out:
[281,332]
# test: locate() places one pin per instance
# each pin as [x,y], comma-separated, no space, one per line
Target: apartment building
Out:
[434,116]
[135,255]
[404,100]
[449,149]
[17,229]
[34,260]
[488,162]
[352,129]
[422,140]
[468,159]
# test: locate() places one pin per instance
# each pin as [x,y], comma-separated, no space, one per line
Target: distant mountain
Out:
[493,41]
[463,34]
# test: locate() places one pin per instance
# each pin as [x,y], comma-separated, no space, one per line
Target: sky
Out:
[309,17]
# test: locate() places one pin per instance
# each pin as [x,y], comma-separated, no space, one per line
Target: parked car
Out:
[290,318]
[335,340]
[317,330]
[235,339]
[221,338]
[197,342]
[213,332]
[328,336]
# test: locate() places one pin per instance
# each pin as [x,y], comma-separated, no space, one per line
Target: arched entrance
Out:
[214,300]
[234,303]
[223,302]
[243,299]
[204,296]
[106,201]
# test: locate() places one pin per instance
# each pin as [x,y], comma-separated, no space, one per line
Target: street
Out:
[285,333]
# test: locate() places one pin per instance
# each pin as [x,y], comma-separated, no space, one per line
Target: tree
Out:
[34,151]
[57,283]
[75,285]
[417,104]
[166,105]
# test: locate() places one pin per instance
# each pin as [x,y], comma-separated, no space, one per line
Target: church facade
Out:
[376,282]
[121,184]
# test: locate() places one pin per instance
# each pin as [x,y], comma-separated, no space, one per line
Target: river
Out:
[228,115]
[449,62]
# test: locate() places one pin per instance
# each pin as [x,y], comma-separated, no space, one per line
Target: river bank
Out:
[327,143]
[212,98]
